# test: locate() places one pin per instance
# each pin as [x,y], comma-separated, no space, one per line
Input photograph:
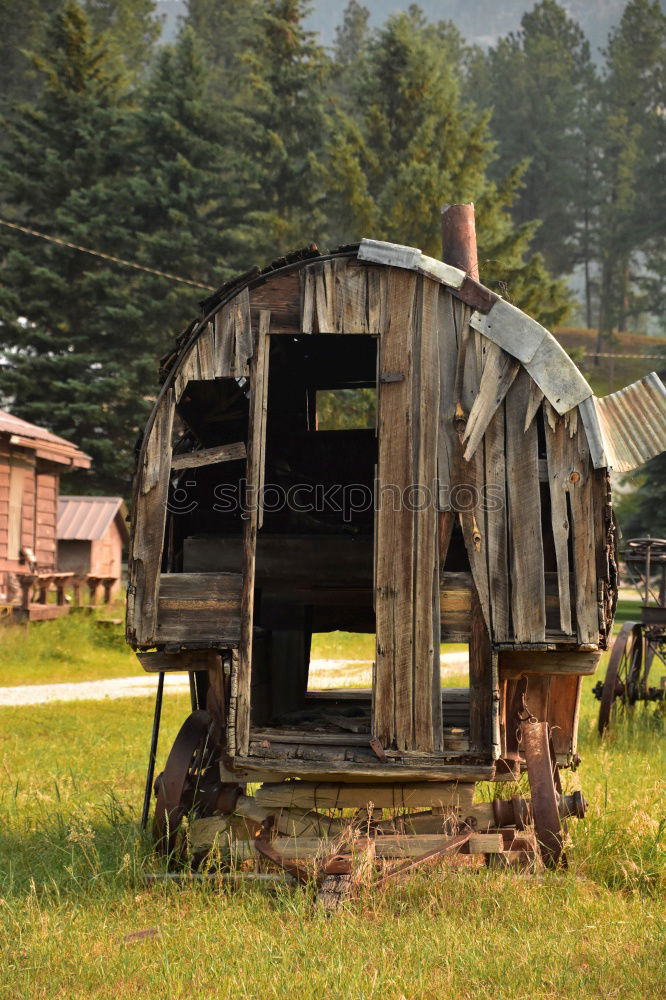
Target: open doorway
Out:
[314,555]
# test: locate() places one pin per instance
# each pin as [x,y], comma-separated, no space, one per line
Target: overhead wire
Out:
[104,256]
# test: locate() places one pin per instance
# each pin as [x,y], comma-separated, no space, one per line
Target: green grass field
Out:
[71,891]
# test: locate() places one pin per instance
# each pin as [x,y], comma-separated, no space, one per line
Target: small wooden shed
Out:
[476,510]
[31,462]
[92,533]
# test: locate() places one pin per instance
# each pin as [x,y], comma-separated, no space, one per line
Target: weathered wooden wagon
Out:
[475,509]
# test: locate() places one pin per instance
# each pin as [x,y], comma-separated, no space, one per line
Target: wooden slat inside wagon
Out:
[200,606]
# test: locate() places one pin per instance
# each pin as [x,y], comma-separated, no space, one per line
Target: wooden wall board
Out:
[425,386]
[209,456]
[279,294]
[563,709]
[201,605]
[572,476]
[499,371]
[394,695]
[455,606]
[515,663]
[528,597]
[150,514]
[258,389]
[559,458]
[448,442]
[496,534]
[583,528]
[473,354]
[480,680]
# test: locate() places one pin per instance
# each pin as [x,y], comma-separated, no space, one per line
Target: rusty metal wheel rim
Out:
[545,789]
[623,672]
[177,786]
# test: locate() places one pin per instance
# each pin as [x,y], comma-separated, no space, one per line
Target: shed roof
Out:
[47,445]
[86,519]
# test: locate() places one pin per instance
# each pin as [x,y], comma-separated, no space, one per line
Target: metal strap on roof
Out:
[507,326]
[411,258]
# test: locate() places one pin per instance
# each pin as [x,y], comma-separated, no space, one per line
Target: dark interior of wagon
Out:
[315,548]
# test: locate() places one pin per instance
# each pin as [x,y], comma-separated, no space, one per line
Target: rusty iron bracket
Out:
[262,844]
[378,750]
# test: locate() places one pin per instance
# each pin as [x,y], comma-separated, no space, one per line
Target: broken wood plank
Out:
[209,456]
[528,594]
[497,543]
[470,485]
[534,402]
[499,371]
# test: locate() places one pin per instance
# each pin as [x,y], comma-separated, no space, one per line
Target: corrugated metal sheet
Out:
[632,422]
[86,519]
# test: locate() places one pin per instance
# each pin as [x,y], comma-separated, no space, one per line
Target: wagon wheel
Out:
[546,792]
[623,673]
[190,781]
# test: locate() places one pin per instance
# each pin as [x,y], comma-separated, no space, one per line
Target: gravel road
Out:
[323,674]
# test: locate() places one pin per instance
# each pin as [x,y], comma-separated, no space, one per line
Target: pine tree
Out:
[226,30]
[132,28]
[542,88]
[71,335]
[632,154]
[285,127]
[351,39]
[21,35]
[412,145]
[186,190]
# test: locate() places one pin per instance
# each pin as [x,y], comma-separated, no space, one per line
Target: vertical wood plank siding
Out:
[407,661]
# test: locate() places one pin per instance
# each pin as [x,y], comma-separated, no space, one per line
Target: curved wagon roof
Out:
[492,361]
[624,429]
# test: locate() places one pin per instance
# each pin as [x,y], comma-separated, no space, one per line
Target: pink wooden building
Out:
[92,533]
[31,462]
